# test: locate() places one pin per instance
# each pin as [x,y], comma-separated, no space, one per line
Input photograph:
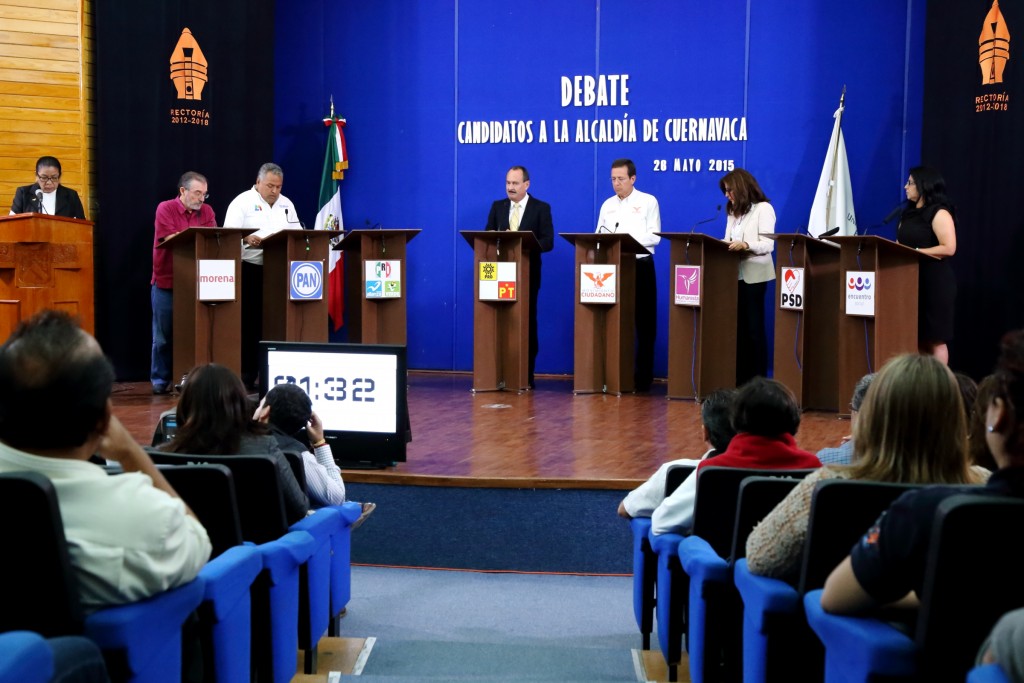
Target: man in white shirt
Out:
[636,213]
[129,536]
[266,211]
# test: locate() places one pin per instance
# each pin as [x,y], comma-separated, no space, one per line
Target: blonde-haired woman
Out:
[911,429]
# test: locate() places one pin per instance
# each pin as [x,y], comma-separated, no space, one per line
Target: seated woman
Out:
[911,429]
[214,418]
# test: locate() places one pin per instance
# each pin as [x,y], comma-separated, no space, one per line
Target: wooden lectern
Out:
[501,329]
[285,319]
[702,339]
[205,332]
[604,342]
[865,343]
[45,262]
[380,320]
[806,359]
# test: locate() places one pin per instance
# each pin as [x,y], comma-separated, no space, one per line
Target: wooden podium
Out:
[603,338]
[806,359]
[501,329]
[702,339]
[45,262]
[369,320]
[285,319]
[205,332]
[867,342]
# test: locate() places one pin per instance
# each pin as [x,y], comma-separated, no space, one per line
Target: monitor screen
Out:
[358,390]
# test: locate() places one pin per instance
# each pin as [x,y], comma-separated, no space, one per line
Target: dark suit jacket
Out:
[536,218]
[68,203]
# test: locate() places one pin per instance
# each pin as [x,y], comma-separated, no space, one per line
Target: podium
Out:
[381,320]
[45,262]
[865,343]
[702,339]
[285,319]
[603,337]
[205,332]
[501,329]
[805,340]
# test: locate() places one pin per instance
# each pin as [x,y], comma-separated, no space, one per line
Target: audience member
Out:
[1005,645]
[287,410]
[129,536]
[843,454]
[888,563]
[977,446]
[716,428]
[911,430]
[214,418]
[766,417]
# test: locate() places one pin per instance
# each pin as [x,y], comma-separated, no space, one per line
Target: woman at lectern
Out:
[927,224]
[749,216]
[47,195]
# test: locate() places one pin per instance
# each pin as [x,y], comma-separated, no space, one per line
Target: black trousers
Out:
[534,291]
[646,308]
[751,343]
[252,321]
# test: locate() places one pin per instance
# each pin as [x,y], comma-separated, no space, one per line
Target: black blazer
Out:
[536,218]
[68,203]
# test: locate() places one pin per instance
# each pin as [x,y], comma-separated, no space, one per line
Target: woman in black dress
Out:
[927,225]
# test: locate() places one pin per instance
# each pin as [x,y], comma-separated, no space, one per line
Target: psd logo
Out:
[306,280]
[791,294]
[687,286]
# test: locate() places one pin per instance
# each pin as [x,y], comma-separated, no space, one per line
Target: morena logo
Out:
[859,283]
[216,278]
[306,280]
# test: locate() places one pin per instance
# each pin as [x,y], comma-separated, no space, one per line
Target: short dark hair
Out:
[629,165]
[290,407]
[1009,386]
[859,391]
[48,375]
[49,162]
[188,176]
[765,407]
[715,413]
[526,174]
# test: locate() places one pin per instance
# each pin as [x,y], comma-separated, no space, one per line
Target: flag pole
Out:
[835,159]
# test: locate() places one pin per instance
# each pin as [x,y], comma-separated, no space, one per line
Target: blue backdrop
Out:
[409,76]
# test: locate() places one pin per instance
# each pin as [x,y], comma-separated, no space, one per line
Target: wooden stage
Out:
[546,438]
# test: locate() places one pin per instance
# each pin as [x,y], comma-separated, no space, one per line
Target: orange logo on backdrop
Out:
[993,46]
[188,67]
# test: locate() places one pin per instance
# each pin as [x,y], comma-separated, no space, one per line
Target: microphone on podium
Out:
[295,222]
[718,210]
[39,201]
[897,210]
[828,233]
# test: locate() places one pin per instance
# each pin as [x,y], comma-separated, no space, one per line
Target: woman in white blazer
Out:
[749,217]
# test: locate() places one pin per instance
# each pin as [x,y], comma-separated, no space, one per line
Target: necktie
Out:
[513,221]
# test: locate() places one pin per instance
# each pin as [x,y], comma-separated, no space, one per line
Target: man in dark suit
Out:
[523,212]
[47,195]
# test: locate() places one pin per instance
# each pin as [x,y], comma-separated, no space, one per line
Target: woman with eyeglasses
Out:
[927,224]
[47,195]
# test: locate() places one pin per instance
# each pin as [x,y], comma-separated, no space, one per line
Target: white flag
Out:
[835,211]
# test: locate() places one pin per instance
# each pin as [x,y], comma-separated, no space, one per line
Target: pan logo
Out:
[188,67]
[993,46]
[306,280]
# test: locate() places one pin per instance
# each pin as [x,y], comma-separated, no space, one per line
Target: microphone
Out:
[888,218]
[718,210]
[604,228]
[39,200]
[828,233]
[287,220]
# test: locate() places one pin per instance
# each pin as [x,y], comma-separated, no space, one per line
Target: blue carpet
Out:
[527,530]
[464,626]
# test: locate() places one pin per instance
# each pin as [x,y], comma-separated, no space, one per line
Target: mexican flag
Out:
[329,216]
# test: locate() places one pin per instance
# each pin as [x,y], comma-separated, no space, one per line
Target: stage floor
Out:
[546,438]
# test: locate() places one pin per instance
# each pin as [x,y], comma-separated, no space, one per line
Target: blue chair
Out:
[645,561]
[341,564]
[968,547]
[315,583]
[777,643]
[24,658]
[141,641]
[714,619]
[988,673]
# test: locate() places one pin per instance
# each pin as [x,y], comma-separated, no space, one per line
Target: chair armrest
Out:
[763,595]
[282,556]
[229,576]
[701,563]
[862,647]
[25,657]
[664,544]
[320,525]
[350,512]
[988,673]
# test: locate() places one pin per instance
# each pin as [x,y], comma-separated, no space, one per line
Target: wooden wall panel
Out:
[46,94]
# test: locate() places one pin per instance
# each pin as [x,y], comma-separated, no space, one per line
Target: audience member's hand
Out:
[118,445]
[315,429]
[622,511]
[848,437]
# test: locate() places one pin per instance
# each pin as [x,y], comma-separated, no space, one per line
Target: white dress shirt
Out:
[638,214]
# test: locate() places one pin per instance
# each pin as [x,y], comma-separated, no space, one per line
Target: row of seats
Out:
[737,624]
[268,591]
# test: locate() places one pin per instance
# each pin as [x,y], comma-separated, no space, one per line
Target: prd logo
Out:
[307,280]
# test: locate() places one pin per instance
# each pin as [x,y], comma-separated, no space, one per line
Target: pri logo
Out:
[382,269]
[188,67]
[993,46]
[859,283]
[791,278]
[598,278]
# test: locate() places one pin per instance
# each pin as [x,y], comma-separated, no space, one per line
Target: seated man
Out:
[766,417]
[129,536]
[843,454]
[286,409]
[717,431]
